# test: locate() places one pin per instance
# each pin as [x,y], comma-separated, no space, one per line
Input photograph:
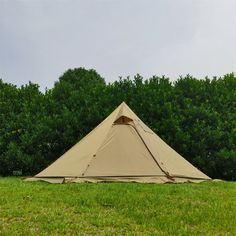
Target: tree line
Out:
[197,117]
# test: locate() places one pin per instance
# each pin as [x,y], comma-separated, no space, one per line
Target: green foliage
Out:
[28,208]
[195,117]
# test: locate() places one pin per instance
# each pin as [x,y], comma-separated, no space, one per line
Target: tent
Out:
[121,148]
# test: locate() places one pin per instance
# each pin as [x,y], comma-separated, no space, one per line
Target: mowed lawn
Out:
[37,208]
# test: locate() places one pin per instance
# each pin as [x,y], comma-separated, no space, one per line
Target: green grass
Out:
[36,208]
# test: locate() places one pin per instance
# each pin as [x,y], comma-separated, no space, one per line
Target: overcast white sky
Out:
[40,39]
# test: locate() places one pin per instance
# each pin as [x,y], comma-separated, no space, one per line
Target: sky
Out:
[41,39]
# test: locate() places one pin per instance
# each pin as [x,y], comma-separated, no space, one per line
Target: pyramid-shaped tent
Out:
[121,148]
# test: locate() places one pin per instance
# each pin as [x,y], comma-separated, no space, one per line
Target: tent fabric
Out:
[121,148]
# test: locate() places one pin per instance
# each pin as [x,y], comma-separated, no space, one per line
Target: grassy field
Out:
[36,208]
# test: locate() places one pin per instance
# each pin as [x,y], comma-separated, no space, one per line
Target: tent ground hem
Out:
[158,179]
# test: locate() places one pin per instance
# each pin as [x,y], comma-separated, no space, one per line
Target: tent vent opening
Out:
[123,120]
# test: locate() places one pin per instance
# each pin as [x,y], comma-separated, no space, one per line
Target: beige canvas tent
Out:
[121,148]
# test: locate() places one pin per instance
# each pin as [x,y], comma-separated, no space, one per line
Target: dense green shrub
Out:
[196,117]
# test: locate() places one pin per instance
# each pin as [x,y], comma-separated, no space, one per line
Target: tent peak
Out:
[124,106]
[124,103]
[124,114]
